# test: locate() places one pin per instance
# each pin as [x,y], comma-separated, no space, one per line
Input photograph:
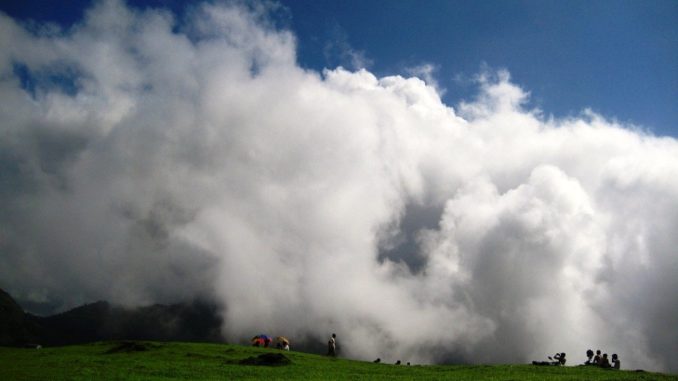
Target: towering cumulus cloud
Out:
[144,160]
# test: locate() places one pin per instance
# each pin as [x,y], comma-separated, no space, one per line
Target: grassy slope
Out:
[193,361]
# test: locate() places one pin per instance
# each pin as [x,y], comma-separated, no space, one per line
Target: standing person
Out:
[332,345]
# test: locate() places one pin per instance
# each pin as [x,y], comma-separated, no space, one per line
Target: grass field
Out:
[199,361]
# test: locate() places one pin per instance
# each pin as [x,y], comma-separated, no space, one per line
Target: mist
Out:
[149,159]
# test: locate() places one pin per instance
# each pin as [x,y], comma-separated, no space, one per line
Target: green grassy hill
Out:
[201,361]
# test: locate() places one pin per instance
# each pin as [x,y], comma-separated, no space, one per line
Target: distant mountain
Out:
[196,321]
[14,328]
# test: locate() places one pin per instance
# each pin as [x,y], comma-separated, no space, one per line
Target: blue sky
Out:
[618,58]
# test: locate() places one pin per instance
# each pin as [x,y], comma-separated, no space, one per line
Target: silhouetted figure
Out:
[560,359]
[408,363]
[597,359]
[604,362]
[332,345]
[616,363]
[377,361]
[589,357]
[397,362]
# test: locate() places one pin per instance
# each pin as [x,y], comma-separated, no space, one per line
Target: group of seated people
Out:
[602,361]
[597,360]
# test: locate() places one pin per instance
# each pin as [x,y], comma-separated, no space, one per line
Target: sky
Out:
[618,60]
[442,185]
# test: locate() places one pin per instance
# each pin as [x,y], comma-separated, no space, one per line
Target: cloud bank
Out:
[144,159]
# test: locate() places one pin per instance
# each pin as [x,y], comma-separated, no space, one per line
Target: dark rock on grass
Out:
[130,346]
[267,359]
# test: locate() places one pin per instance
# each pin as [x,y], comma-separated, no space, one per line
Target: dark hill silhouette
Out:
[196,321]
[14,328]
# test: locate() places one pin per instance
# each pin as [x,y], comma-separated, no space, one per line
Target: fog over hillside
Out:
[145,159]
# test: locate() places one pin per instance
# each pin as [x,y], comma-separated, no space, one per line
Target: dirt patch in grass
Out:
[131,347]
[267,359]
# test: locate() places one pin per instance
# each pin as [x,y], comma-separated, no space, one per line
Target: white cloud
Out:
[427,71]
[208,162]
[339,51]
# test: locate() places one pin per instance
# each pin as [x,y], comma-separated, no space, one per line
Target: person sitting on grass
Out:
[604,362]
[597,359]
[560,359]
[616,363]
[589,357]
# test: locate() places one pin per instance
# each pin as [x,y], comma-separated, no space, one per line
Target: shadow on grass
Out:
[131,347]
[267,359]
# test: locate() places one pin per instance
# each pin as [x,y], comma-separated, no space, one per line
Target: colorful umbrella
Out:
[261,339]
